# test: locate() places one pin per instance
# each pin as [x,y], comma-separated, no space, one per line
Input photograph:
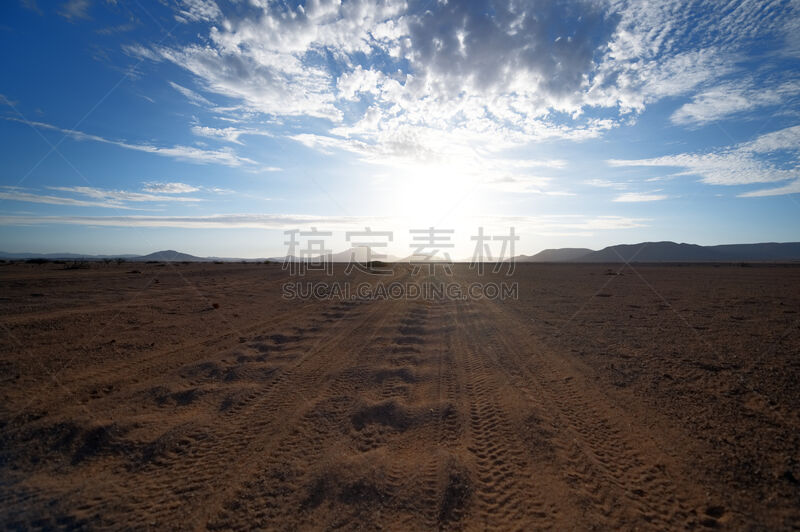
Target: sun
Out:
[434,194]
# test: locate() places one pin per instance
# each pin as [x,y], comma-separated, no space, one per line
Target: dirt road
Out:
[194,396]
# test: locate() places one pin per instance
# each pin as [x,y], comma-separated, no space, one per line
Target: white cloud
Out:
[524,185]
[219,221]
[529,224]
[401,83]
[11,194]
[169,188]
[731,98]
[190,95]
[75,9]
[741,164]
[222,156]
[605,183]
[229,134]
[121,196]
[105,198]
[791,188]
[634,197]
[782,139]
[266,82]
[199,10]
[444,155]
[507,73]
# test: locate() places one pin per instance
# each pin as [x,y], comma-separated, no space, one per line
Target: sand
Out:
[186,396]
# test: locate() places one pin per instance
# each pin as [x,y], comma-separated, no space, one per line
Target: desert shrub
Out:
[76,265]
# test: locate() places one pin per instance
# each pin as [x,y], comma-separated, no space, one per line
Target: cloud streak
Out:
[106,198]
[283,222]
[191,95]
[169,188]
[756,161]
[732,98]
[224,156]
[638,197]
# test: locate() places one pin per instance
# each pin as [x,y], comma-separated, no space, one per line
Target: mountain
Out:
[555,255]
[653,252]
[672,252]
[359,253]
[764,251]
[60,256]
[641,252]
[170,255]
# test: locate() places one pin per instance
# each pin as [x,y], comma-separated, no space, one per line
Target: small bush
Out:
[76,265]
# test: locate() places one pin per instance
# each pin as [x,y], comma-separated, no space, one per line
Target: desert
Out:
[605,396]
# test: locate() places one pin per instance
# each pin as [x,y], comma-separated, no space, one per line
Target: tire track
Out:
[197,470]
[280,491]
[504,497]
[603,465]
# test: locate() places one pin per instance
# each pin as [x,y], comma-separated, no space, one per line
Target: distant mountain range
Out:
[555,255]
[642,252]
[672,252]
[360,254]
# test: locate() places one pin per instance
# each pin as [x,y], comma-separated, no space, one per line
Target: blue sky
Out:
[213,127]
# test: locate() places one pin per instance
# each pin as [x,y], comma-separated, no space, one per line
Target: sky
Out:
[235,127]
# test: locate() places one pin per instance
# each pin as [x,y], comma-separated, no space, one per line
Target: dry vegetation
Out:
[193,396]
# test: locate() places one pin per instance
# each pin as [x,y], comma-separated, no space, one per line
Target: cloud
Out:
[105,198]
[732,98]
[198,10]
[498,70]
[74,9]
[191,95]
[521,184]
[11,194]
[169,188]
[181,188]
[229,134]
[791,188]
[267,83]
[782,139]
[540,50]
[32,5]
[750,162]
[632,197]
[604,183]
[223,156]
[120,196]
[532,224]
[443,155]
[219,221]
[408,83]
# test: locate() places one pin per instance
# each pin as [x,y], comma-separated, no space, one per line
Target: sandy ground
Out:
[180,396]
